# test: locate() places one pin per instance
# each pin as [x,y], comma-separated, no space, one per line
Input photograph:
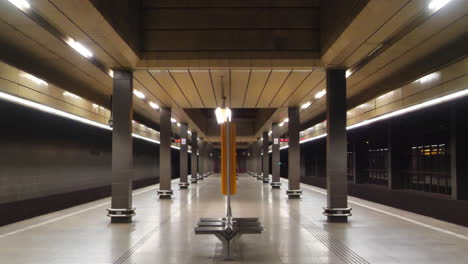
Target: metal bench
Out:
[227,230]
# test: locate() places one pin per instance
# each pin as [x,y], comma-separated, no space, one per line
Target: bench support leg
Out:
[227,245]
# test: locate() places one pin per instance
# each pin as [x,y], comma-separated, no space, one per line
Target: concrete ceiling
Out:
[270,54]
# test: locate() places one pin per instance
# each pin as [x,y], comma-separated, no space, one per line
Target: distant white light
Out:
[286,120]
[21,4]
[178,124]
[348,73]
[139,94]
[306,105]
[154,105]
[429,78]
[111,73]
[173,120]
[190,132]
[269,133]
[320,94]
[435,5]
[34,79]
[70,95]
[79,48]
[281,124]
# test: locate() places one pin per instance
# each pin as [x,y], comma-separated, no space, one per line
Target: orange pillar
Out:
[224,155]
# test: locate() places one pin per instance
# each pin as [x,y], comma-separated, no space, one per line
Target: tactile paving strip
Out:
[341,250]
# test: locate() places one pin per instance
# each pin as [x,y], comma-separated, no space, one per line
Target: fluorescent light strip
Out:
[50,110]
[145,138]
[403,111]
[413,108]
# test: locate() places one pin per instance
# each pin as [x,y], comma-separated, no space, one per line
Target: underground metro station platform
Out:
[198,131]
[295,231]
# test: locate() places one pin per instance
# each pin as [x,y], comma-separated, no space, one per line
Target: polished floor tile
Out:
[295,231]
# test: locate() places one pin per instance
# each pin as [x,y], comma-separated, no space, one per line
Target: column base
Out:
[294,194]
[337,215]
[165,194]
[184,185]
[266,180]
[275,185]
[121,215]
[260,176]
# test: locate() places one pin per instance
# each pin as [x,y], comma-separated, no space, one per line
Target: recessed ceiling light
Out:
[348,73]
[70,95]
[34,79]
[281,124]
[173,120]
[286,120]
[178,124]
[435,5]
[306,105]
[154,105]
[362,106]
[21,4]
[138,94]
[428,78]
[79,48]
[320,94]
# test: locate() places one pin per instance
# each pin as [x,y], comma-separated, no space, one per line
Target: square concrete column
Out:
[183,156]
[394,158]
[458,153]
[294,154]
[194,177]
[258,161]
[209,159]
[165,166]
[121,210]
[201,161]
[275,157]
[266,160]
[250,156]
[337,209]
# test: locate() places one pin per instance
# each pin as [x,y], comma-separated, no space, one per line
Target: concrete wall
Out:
[44,156]
[414,129]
